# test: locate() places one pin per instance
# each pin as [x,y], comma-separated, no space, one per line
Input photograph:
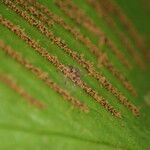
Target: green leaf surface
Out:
[59,126]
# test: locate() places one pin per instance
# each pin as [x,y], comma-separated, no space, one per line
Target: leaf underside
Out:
[59,125]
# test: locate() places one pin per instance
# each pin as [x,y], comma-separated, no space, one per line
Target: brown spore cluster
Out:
[66,70]
[106,9]
[42,76]
[10,82]
[82,19]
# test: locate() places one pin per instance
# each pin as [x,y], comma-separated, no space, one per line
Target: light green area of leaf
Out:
[59,126]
